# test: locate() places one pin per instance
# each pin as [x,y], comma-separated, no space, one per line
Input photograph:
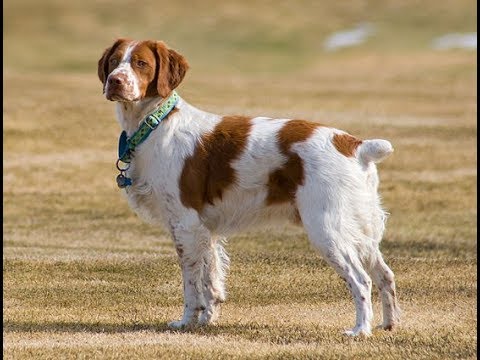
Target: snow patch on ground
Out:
[455,40]
[350,37]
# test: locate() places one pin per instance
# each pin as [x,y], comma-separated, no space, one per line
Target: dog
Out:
[204,177]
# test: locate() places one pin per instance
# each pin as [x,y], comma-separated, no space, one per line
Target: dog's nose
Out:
[115,80]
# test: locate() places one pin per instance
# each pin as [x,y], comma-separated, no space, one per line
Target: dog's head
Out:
[133,70]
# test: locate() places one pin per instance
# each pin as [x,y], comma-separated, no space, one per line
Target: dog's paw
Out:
[179,324]
[359,331]
[205,321]
[208,318]
[210,315]
[387,327]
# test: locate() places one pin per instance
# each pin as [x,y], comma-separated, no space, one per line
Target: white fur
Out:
[374,150]
[131,86]
[338,204]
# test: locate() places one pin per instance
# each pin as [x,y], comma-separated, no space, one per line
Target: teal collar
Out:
[127,145]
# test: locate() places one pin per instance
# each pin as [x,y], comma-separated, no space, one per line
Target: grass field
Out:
[85,278]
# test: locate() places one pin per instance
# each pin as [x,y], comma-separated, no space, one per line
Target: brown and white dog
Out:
[205,176]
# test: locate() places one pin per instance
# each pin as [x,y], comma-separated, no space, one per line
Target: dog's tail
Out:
[375,150]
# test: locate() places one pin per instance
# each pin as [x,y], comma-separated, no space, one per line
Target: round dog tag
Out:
[123,181]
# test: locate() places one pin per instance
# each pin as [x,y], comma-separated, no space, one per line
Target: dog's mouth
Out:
[118,96]
[115,97]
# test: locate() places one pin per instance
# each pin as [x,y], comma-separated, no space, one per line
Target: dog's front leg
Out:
[194,302]
[191,245]
[215,270]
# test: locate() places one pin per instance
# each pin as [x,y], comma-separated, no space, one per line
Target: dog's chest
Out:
[154,171]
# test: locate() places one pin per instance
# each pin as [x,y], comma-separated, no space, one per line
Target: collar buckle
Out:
[153,119]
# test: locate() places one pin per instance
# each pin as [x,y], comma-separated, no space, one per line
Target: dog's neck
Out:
[130,114]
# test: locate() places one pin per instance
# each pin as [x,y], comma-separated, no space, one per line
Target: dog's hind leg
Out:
[383,277]
[215,271]
[339,251]
[349,267]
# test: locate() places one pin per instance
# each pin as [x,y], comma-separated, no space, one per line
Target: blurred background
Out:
[356,55]
[230,36]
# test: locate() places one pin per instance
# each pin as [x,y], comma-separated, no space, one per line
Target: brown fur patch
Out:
[208,172]
[170,68]
[346,144]
[144,63]
[283,182]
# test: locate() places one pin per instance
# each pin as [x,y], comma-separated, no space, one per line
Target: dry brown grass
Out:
[84,278]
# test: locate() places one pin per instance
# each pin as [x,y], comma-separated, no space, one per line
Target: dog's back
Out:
[278,158]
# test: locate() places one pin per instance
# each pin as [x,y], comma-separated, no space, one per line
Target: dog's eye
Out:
[113,62]
[141,63]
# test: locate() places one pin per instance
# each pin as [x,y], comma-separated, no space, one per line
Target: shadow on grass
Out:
[429,248]
[74,327]
[258,332]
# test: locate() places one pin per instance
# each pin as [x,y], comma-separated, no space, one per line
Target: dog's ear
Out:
[171,68]
[103,62]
